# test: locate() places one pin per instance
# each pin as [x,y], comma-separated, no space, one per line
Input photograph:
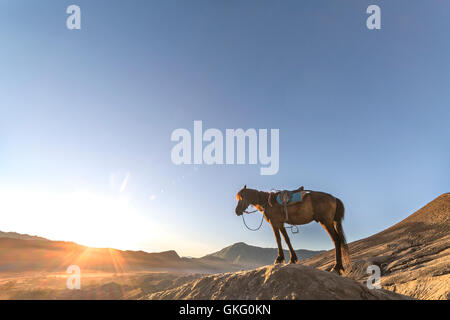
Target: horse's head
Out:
[242,201]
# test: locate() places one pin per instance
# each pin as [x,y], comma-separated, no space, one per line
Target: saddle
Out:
[287,197]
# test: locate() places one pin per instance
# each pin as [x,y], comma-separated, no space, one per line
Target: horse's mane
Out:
[255,196]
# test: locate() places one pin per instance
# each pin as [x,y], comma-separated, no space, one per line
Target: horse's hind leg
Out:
[293,258]
[337,244]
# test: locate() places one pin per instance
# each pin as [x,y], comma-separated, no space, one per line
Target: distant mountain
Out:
[251,256]
[15,235]
[413,255]
[18,255]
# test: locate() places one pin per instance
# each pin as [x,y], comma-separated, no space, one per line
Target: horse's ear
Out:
[245,187]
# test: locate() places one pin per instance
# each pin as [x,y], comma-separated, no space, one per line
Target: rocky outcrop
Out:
[275,282]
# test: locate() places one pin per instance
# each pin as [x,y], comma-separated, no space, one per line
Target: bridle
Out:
[262,217]
[292,227]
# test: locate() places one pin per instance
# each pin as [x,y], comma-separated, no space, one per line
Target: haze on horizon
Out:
[86,116]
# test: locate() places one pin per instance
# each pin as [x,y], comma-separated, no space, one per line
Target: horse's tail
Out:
[338,217]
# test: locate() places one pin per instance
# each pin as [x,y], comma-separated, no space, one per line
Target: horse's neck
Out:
[261,198]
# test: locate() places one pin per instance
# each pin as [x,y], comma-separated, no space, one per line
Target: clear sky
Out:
[86,115]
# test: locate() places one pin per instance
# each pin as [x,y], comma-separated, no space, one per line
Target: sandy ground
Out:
[95,285]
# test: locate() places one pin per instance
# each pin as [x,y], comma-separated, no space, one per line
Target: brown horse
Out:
[315,206]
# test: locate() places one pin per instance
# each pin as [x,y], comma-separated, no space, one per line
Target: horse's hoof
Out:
[338,271]
[279,260]
[293,261]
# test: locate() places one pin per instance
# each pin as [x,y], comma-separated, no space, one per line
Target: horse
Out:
[315,206]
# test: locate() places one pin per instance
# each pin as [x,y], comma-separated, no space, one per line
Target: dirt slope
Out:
[413,255]
[275,282]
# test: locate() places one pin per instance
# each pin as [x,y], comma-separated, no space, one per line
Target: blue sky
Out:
[86,115]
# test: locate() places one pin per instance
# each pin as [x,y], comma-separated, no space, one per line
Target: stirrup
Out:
[286,213]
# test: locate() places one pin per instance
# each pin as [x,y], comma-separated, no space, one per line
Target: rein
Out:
[260,224]
[294,228]
[256,229]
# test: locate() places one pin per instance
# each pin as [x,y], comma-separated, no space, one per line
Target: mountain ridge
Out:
[27,252]
[254,256]
[22,236]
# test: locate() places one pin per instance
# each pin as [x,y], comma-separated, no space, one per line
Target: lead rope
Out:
[260,224]
[262,219]
[294,228]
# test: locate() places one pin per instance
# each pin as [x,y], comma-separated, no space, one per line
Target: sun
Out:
[84,217]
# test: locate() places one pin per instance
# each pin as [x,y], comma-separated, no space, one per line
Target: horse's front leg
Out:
[293,258]
[280,257]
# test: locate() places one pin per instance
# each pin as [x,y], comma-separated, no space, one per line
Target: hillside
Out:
[414,254]
[275,282]
[15,235]
[252,256]
[17,255]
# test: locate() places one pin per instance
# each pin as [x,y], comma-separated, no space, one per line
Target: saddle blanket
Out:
[296,197]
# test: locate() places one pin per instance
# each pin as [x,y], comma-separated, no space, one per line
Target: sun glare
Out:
[83,217]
